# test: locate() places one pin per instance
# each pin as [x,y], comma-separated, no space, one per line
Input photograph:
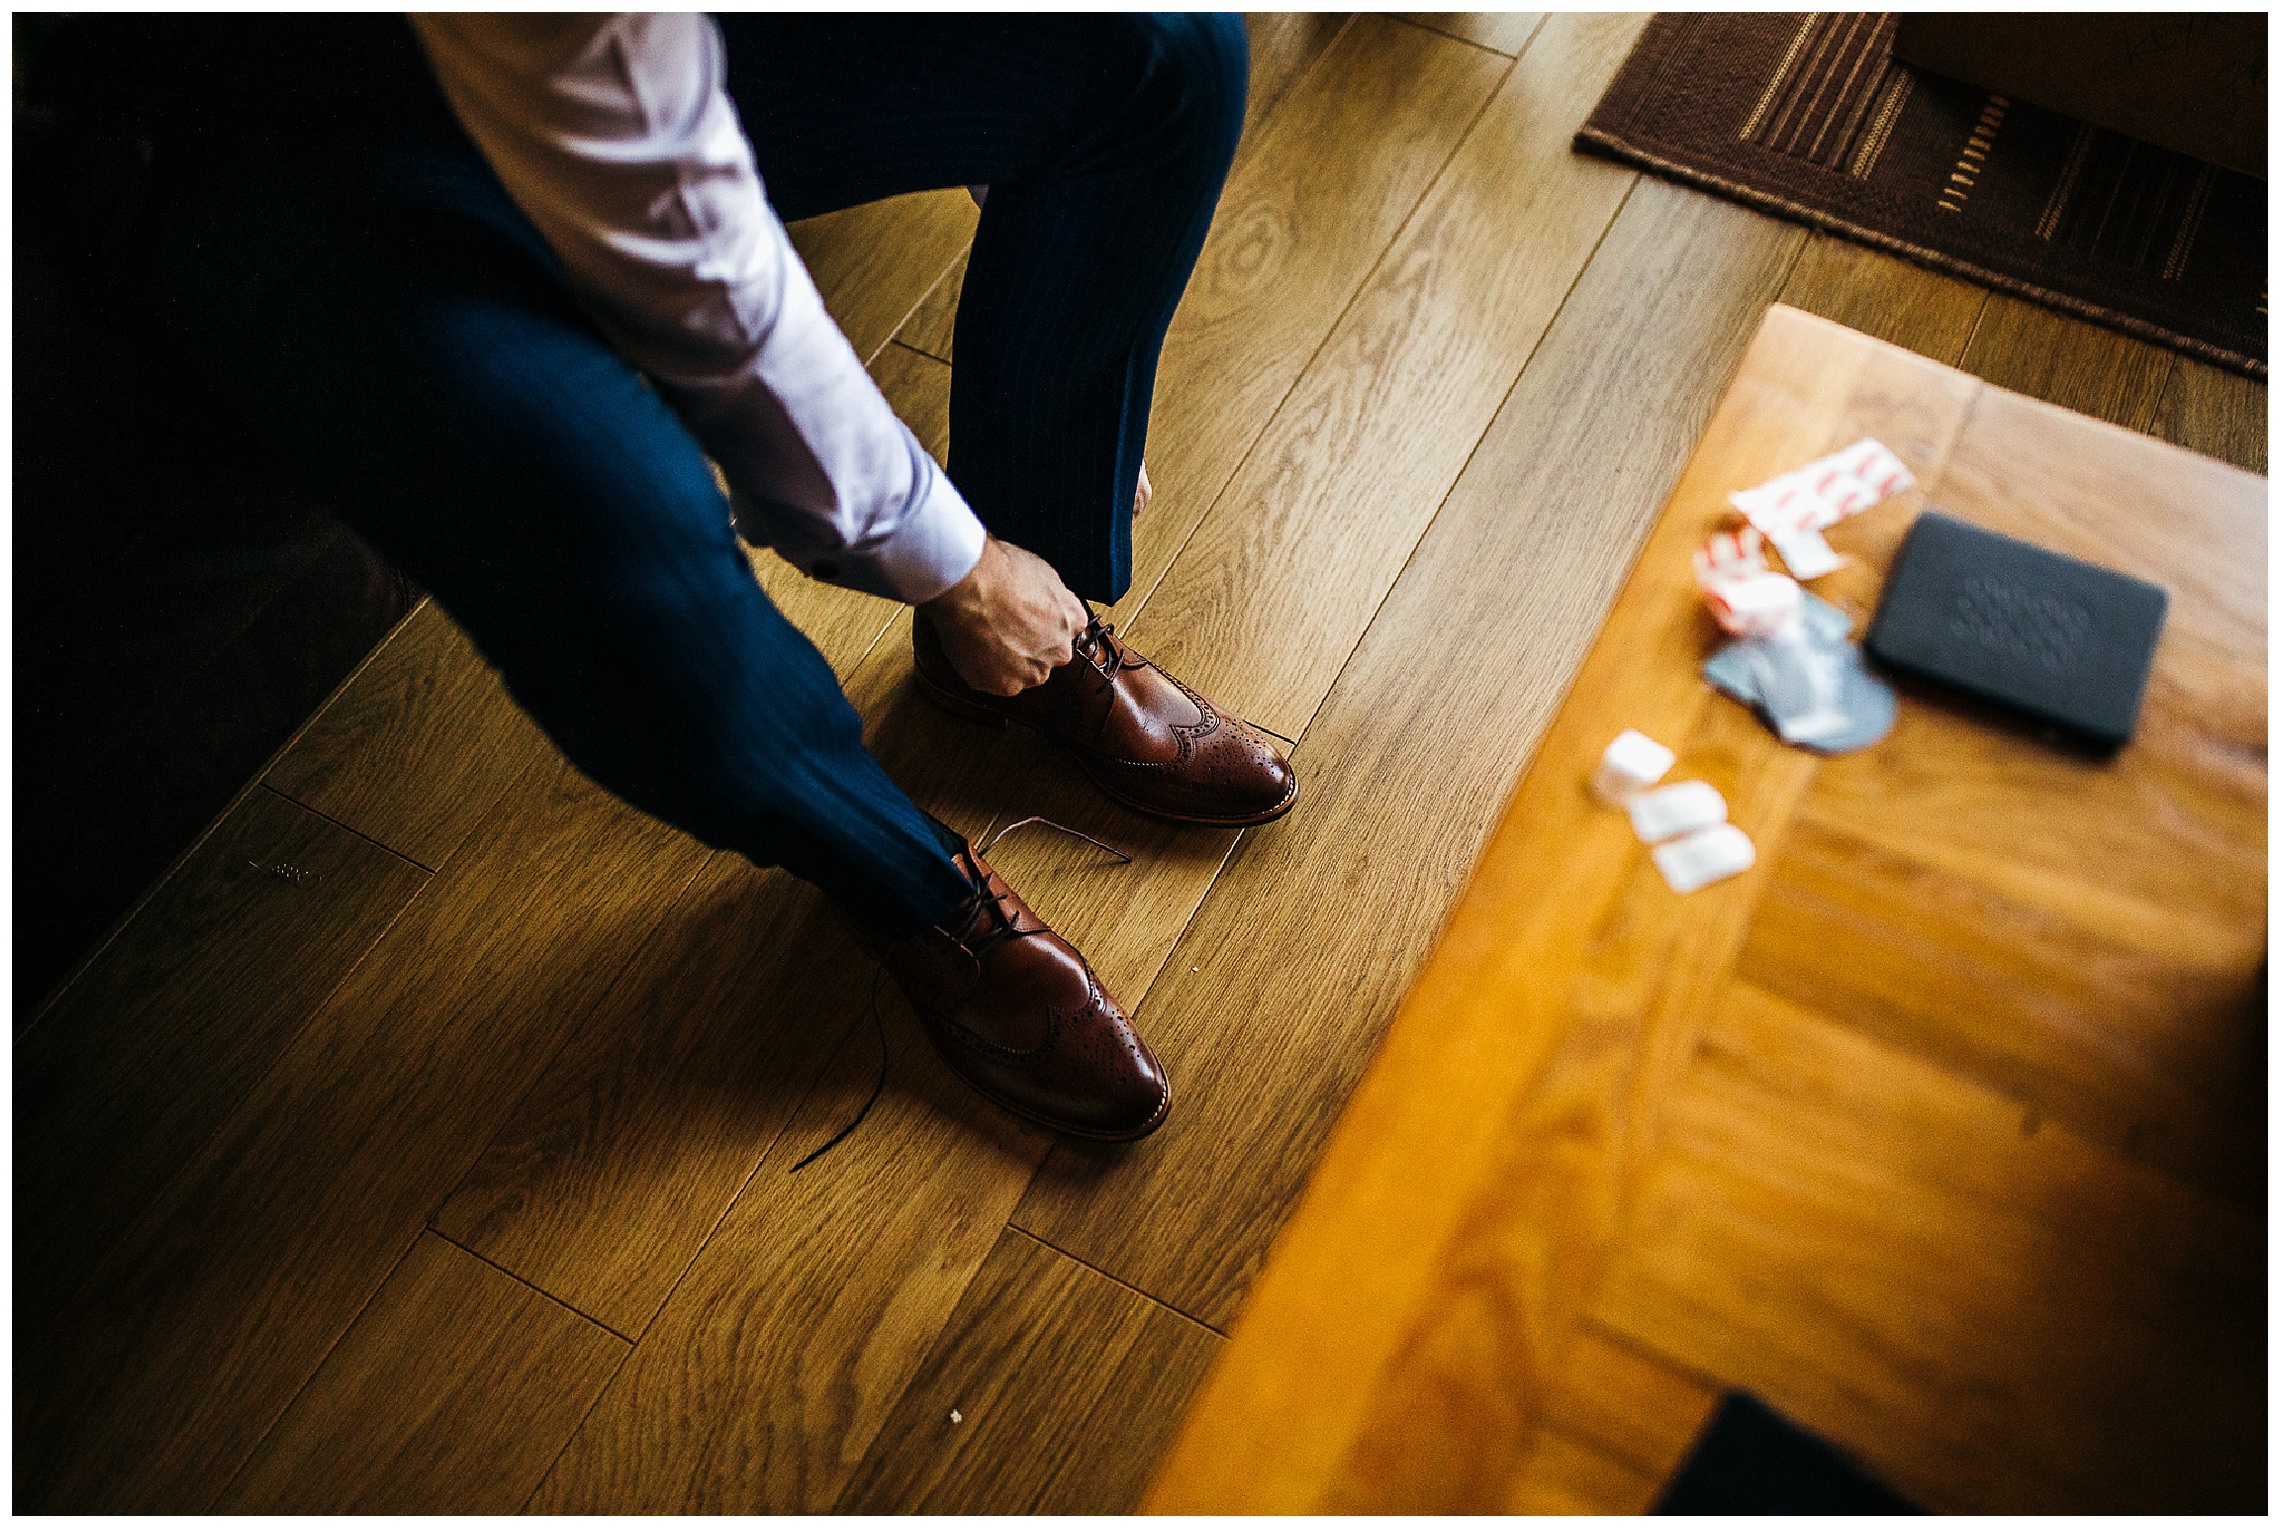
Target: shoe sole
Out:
[967,710]
[1146,1127]
[1162,1110]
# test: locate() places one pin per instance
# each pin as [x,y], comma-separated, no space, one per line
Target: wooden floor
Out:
[423,1140]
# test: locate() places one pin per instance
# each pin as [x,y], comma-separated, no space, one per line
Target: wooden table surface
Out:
[1941,1129]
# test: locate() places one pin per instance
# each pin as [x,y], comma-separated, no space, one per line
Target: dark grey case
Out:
[2054,638]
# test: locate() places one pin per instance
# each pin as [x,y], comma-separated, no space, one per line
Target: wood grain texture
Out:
[769,1372]
[1569,1477]
[147,1052]
[452,1392]
[1474,1374]
[1394,103]
[1272,1001]
[1278,585]
[1626,1404]
[604,1183]
[1502,31]
[190,1340]
[2217,413]
[873,263]
[620,1160]
[416,747]
[2100,971]
[1064,1384]
[1284,45]
[932,328]
[1547,1075]
[1885,297]
[1303,220]
[1522,1071]
[1991,1313]
[2027,348]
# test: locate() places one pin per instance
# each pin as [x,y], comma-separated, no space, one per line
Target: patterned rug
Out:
[1811,117]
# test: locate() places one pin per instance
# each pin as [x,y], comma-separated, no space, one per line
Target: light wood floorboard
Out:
[416,747]
[953,769]
[1051,1390]
[2217,413]
[874,264]
[1273,590]
[1303,221]
[1272,1002]
[792,1338]
[1284,45]
[1805,1162]
[1877,294]
[608,1177]
[141,1058]
[197,1330]
[473,1190]
[475,1381]
[1499,31]
[2030,349]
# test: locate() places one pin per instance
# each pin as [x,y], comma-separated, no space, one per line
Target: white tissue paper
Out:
[1712,854]
[1685,807]
[1632,762]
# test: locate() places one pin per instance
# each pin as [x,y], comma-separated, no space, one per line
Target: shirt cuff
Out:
[937,544]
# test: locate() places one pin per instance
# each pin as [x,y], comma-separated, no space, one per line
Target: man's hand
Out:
[1008,623]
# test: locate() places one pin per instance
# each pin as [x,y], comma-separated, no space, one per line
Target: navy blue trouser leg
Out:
[368,293]
[1104,141]
[399,324]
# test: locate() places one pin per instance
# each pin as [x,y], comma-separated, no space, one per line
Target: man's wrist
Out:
[966,596]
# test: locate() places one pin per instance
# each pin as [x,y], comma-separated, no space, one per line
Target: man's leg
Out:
[1104,141]
[390,317]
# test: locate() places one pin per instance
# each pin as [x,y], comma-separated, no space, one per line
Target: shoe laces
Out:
[1098,645]
[986,923]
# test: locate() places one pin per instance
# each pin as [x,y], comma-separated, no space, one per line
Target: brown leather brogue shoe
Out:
[1018,1013]
[1147,740]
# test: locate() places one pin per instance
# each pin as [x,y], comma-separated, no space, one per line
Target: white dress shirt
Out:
[615,134]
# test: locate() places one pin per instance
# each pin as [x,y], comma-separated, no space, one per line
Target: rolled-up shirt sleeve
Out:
[615,134]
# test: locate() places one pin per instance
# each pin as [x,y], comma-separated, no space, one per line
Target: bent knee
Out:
[1197,73]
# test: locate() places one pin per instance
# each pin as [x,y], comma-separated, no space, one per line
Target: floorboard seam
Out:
[1426,26]
[1465,466]
[881,348]
[896,338]
[1299,79]
[153,1206]
[310,1378]
[344,827]
[868,648]
[545,1063]
[767,1154]
[552,1298]
[1361,287]
[571,1436]
[1058,1251]
[259,778]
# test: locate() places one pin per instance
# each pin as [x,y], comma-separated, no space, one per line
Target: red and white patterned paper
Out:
[1793,509]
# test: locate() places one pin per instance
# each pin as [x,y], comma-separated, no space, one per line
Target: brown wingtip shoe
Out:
[1147,740]
[1018,1013]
